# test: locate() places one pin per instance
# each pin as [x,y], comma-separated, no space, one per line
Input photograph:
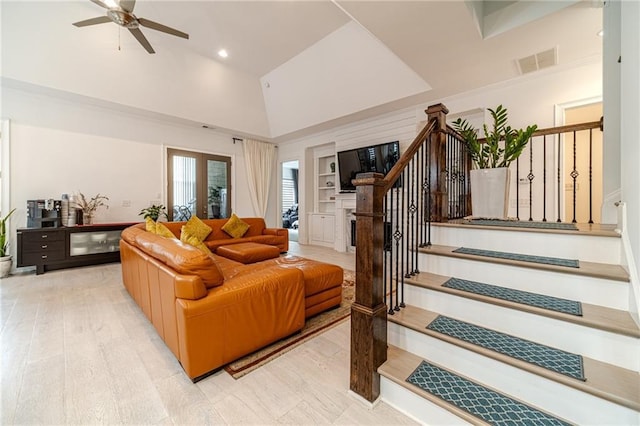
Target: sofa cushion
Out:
[235,227]
[197,228]
[185,259]
[248,253]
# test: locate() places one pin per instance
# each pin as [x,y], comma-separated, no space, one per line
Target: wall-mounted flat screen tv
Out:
[376,158]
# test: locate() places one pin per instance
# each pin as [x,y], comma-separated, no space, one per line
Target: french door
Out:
[199,184]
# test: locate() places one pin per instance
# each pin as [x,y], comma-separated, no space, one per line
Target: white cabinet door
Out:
[322,229]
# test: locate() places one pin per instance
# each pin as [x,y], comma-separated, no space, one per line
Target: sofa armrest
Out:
[280,232]
[189,287]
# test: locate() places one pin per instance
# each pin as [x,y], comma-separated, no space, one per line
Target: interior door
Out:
[198,184]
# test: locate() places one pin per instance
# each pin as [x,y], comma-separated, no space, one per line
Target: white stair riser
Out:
[608,347]
[413,405]
[590,248]
[560,400]
[595,291]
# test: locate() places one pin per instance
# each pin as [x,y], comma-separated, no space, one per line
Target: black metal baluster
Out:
[559,173]
[421,201]
[530,176]
[411,234]
[544,178]
[590,175]
[517,188]
[574,176]
[428,193]
[400,275]
[394,221]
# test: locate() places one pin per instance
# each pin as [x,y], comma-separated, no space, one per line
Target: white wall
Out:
[529,99]
[629,132]
[59,146]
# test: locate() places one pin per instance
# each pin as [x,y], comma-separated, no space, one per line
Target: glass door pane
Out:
[182,186]
[218,205]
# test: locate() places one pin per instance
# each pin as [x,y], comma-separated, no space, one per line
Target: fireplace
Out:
[387,235]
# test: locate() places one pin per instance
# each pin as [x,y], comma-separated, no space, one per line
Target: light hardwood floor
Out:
[77,350]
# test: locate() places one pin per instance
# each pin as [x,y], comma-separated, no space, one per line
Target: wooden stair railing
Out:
[369,310]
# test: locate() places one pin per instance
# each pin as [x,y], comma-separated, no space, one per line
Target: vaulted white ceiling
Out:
[293,67]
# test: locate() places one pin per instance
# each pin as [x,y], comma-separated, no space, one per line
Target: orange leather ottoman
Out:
[248,252]
[322,283]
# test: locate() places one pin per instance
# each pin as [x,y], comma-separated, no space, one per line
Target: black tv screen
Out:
[376,158]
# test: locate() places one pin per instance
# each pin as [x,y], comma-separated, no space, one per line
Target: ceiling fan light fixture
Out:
[111,3]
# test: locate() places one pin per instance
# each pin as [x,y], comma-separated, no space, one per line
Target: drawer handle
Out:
[44,235]
[44,246]
[44,256]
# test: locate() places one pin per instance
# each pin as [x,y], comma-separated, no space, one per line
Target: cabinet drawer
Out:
[44,246]
[40,236]
[42,257]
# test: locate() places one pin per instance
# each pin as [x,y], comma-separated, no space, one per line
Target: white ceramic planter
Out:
[490,193]
[5,266]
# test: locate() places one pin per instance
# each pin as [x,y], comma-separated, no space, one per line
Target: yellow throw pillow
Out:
[163,231]
[192,240]
[235,227]
[158,228]
[197,228]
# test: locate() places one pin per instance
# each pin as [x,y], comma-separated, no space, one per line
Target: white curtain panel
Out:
[259,158]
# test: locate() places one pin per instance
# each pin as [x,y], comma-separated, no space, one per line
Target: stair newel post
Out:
[438,164]
[368,312]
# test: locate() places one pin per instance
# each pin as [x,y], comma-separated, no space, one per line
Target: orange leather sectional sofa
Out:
[210,310]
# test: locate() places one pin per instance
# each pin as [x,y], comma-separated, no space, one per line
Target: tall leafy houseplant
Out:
[492,157]
[5,258]
[492,153]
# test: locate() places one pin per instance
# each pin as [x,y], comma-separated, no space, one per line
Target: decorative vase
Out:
[87,218]
[490,193]
[5,266]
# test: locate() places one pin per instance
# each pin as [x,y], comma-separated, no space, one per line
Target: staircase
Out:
[480,384]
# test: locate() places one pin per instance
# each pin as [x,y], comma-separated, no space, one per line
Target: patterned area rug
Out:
[556,261]
[491,406]
[313,327]
[522,224]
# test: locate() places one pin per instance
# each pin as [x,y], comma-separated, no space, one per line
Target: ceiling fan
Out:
[121,13]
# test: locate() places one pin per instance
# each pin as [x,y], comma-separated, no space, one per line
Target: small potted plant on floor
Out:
[492,157]
[5,257]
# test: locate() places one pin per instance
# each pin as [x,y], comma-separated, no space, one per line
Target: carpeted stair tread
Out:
[591,269]
[604,380]
[593,316]
[491,406]
[583,228]
[401,365]
[553,359]
[563,226]
[571,307]
[519,257]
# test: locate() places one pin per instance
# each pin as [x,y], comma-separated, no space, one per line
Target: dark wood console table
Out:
[67,247]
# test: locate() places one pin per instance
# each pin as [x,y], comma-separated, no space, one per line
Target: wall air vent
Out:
[538,61]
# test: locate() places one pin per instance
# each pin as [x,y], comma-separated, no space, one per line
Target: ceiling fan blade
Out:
[159,27]
[93,21]
[100,3]
[142,39]
[127,5]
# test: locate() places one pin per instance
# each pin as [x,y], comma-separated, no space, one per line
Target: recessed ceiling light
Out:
[600,33]
[223,53]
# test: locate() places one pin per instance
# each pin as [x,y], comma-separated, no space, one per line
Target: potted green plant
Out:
[492,157]
[5,257]
[154,212]
[214,201]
